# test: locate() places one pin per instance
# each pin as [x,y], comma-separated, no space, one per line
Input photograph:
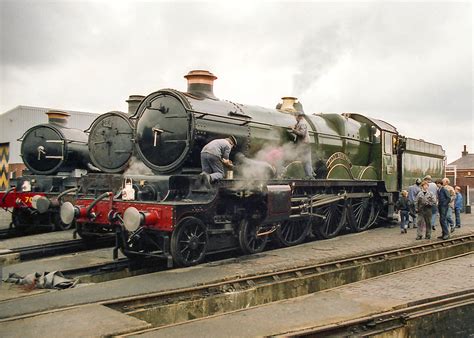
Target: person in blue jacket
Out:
[458,202]
[444,198]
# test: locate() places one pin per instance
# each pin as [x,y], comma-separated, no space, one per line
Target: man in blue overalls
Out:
[214,156]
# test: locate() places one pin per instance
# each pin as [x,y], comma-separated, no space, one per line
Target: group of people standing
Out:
[425,199]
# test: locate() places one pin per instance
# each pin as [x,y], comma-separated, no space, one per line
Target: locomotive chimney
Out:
[200,83]
[290,105]
[464,153]
[58,117]
[133,103]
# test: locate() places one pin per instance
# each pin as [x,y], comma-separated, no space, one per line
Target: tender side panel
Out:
[421,158]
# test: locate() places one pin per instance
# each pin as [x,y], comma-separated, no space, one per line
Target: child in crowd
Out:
[458,202]
[403,205]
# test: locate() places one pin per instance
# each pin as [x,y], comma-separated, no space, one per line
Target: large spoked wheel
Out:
[333,220]
[249,240]
[363,213]
[293,232]
[189,242]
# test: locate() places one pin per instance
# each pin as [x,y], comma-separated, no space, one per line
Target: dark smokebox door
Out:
[43,149]
[163,133]
[111,142]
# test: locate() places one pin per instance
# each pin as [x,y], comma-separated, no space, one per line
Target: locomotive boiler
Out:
[110,141]
[172,127]
[49,148]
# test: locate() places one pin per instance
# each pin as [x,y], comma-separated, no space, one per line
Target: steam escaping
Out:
[318,53]
[137,167]
[270,162]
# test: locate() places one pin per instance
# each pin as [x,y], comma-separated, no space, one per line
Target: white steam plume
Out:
[137,167]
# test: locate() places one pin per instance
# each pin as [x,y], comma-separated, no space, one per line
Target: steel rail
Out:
[113,266]
[56,248]
[214,288]
[236,284]
[390,320]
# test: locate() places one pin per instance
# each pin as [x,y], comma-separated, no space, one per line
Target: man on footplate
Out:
[300,130]
[214,156]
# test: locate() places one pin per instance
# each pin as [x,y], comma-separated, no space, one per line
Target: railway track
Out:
[117,269]
[171,307]
[388,321]
[175,306]
[6,233]
[56,248]
[10,233]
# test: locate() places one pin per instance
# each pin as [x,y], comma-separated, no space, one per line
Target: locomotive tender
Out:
[361,165]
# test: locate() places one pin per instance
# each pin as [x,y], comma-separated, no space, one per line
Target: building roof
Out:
[22,108]
[464,162]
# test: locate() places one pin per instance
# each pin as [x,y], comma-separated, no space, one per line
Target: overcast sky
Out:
[409,64]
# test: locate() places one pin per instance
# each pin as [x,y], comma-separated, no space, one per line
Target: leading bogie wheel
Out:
[21,220]
[59,225]
[189,242]
[249,240]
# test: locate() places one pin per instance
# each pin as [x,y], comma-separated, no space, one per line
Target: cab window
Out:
[388,145]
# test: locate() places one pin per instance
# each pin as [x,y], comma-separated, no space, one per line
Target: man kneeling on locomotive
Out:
[214,156]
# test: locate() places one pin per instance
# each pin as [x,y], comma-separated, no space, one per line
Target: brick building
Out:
[463,170]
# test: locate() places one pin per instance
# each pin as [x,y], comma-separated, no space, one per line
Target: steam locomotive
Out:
[147,189]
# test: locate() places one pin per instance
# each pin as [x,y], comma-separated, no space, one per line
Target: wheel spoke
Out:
[189,242]
[333,222]
[363,213]
[249,241]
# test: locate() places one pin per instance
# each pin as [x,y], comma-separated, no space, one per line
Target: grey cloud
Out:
[390,60]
